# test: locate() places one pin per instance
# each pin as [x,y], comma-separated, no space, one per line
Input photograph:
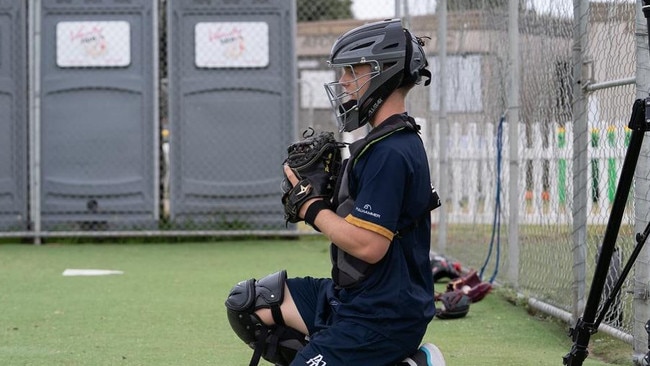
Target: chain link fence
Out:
[547,195]
[171,118]
[474,152]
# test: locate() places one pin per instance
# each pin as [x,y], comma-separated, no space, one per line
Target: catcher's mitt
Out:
[453,304]
[316,162]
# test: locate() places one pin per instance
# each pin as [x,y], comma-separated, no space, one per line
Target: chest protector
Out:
[347,270]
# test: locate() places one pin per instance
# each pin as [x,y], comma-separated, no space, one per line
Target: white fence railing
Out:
[545,179]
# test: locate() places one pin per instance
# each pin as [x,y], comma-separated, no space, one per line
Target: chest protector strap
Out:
[348,270]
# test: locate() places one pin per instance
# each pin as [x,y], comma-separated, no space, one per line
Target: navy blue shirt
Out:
[391,186]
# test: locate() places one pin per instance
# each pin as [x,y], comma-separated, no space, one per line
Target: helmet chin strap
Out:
[345,109]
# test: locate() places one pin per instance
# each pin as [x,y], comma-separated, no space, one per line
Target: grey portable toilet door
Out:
[13,116]
[232,107]
[99,128]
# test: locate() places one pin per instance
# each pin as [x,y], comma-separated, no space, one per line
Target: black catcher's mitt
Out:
[316,161]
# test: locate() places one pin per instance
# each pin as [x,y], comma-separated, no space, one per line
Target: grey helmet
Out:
[396,58]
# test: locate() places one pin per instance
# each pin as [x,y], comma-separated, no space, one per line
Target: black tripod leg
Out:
[586,325]
[640,241]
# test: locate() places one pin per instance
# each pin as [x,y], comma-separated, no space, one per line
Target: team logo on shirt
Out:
[367,210]
[316,361]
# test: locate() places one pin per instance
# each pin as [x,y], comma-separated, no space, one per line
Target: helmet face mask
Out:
[350,87]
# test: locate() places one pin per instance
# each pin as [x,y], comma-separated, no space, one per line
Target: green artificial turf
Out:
[167,307]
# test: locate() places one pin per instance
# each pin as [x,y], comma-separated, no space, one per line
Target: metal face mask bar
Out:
[344,95]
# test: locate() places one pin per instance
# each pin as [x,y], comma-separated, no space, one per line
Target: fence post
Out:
[580,154]
[34,20]
[444,127]
[641,189]
[513,118]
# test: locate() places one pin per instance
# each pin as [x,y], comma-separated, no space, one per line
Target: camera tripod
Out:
[588,324]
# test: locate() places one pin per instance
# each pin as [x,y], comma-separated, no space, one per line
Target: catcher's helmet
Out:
[396,58]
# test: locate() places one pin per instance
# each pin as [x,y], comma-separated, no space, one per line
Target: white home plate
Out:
[91,272]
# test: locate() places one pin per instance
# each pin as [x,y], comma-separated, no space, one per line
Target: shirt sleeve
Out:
[381,178]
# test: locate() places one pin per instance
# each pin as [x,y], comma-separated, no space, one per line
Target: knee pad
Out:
[278,343]
[248,296]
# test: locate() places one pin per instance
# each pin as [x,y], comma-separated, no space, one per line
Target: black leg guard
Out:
[277,344]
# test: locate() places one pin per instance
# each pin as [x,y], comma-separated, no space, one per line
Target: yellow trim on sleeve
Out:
[370,226]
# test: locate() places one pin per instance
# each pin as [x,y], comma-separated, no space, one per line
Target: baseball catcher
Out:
[375,209]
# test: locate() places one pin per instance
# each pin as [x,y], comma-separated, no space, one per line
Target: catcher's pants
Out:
[338,341]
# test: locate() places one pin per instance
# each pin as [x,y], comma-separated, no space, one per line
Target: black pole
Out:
[586,325]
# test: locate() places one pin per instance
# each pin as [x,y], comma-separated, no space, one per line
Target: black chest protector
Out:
[347,270]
